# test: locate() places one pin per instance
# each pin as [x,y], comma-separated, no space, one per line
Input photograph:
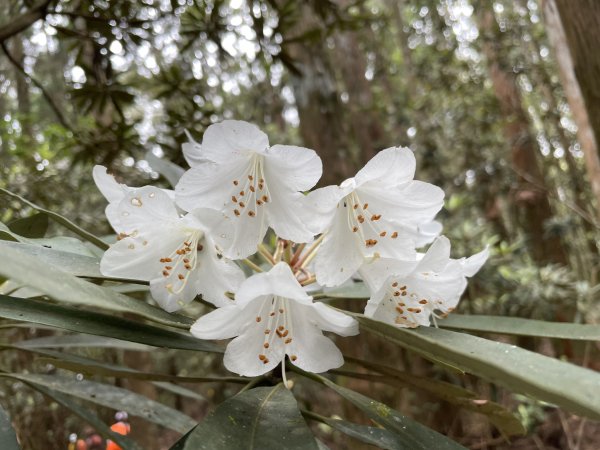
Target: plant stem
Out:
[252,265]
[297,254]
[310,253]
[262,251]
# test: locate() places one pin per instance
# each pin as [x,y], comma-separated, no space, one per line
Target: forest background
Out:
[500,100]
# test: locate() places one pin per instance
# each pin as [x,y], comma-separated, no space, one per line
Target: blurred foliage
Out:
[123,77]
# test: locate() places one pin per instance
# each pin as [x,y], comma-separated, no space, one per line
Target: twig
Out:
[24,21]
[577,210]
[49,99]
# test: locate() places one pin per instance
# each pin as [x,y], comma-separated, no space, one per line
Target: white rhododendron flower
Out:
[238,186]
[273,317]
[407,293]
[378,213]
[178,255]
[192,151]
[257,186]
[114,192]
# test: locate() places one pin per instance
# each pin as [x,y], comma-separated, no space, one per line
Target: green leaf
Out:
[81,340]
[379,437]
[409,435]
[502,418]
[566,385]
[172,172]
[112,397]
[34,226]
[521,327]
[64,287]
[8,438]
[261,418]
[87,415]
[81,364]
[179,390]
[61,220]
[72,263]
[81,321]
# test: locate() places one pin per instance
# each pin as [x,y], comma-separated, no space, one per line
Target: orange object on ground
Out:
[121,428]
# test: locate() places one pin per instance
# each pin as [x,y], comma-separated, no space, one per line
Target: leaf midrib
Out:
[258,414]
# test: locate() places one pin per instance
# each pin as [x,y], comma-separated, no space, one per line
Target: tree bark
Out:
[572,29]
[530,196]
[367,131]
[317,98]
[23,98]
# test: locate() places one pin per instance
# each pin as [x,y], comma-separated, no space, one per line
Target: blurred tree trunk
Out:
[572,30]
[530,196]
[23,97]
[367,130]
[141,431]
[317,99]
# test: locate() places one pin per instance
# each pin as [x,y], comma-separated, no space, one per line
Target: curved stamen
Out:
[251,191]
[182,261]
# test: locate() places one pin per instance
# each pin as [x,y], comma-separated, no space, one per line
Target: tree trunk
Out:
[367,131]
[23,98]
[572,29]
[317,99]
[530,196]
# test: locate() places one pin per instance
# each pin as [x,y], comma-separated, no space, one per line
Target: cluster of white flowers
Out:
[185,243]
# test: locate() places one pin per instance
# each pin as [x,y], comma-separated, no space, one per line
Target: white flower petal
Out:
[437,257]
[427,233]
[231,139]
[389,167]
[289,218]
[139,257]
[222,323]
[173,294]
[375,273]
[298,167]
[328,319]
[473,263]
[192,151]
[377,296]
[339,256]
[241,355]
[309,349]
[108,186]
[215,224]
[321,205]
[210,185]
[415,202]
[216,276]
[279,281]
[143,208]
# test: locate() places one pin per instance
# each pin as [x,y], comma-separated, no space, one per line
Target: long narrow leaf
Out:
[521,327]
[379,437]
[64,287]
[111,397]
[72,319]
[61,220]
[502,418]
[408,434]
[566,385]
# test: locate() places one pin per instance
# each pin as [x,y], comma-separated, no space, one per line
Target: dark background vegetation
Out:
[482,91]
